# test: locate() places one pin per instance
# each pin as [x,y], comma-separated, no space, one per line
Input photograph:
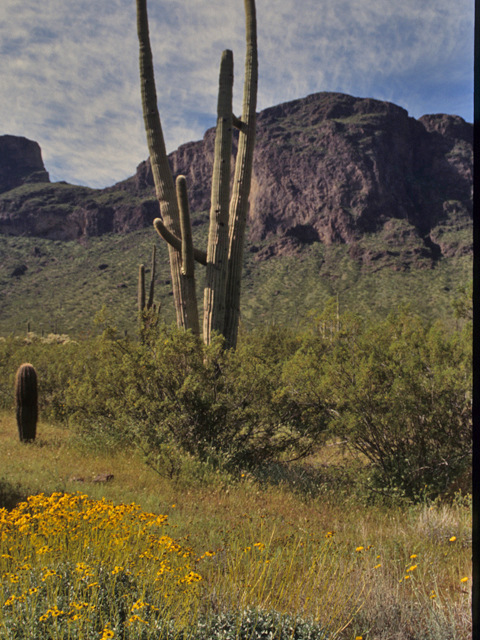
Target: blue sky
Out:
[69,68]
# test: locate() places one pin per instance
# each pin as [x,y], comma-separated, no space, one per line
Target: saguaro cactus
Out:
[143,303]
[26,401]
[164,185]
[147,310]
[224,256]
[217,250]
[242,180]
[141,288]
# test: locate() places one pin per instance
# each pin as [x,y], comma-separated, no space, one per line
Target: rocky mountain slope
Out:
[20,163]
[328,168]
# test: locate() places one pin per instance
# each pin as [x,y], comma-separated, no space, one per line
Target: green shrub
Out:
[173,394]
[397,392]
[254,624]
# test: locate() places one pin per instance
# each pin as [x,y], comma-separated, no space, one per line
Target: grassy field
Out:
[289,541]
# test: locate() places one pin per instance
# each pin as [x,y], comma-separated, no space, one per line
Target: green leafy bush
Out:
[173,394]
[398,392]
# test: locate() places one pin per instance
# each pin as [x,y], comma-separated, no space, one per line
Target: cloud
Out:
[69,71]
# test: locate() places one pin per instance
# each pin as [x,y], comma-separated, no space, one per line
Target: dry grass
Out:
[217,513]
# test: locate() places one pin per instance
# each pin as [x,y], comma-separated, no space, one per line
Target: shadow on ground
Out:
[10,495]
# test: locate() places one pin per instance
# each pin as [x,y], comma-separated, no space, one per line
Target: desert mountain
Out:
[328,168]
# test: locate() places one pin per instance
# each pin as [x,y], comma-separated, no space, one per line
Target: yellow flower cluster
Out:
[50,543]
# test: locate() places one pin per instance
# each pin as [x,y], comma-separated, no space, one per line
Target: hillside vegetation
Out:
[59,286]
[396,392]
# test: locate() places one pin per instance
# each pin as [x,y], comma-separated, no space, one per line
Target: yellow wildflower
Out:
[117,570]
[135,619]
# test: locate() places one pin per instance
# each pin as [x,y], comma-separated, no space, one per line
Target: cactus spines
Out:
[217,250]
[26,402]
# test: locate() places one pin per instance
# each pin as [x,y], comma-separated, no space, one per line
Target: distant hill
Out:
[353,189]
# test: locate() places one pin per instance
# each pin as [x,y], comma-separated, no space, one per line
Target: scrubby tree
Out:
[398,393]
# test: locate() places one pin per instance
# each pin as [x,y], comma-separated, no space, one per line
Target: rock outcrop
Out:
[328,168]
[20,162]
[332,168]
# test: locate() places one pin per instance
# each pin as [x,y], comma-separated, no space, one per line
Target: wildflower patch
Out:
[70,565]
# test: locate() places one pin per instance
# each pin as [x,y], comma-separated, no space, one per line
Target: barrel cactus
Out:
[26,401]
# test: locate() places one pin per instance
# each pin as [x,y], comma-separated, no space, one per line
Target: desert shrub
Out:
[398,392]
[252,624]
[52,358]
[174,394]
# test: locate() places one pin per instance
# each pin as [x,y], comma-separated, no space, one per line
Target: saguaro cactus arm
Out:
[175,242]
[217,251]
[188,259]
[164,185]
[238,124]
[242,181]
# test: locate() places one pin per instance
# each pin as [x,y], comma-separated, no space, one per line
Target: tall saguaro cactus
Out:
[217,250]
[147,310]
[224,256]
[242,181]
[164,185]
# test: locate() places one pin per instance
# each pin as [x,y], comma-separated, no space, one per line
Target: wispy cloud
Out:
[69,71]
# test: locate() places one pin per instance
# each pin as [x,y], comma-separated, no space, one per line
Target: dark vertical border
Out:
[476,335]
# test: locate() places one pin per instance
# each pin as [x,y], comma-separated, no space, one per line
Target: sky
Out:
[69,68]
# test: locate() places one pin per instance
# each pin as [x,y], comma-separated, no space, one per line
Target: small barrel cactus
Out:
[26,401]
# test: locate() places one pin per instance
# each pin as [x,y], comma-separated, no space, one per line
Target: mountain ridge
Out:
[328,168]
